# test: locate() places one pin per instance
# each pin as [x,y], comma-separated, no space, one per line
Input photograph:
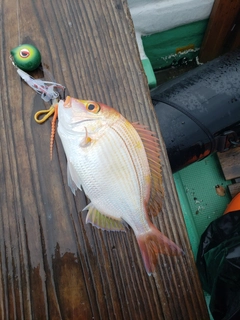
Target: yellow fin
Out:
[152,148]
[102,221]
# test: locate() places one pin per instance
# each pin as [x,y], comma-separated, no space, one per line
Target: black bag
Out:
[218,263]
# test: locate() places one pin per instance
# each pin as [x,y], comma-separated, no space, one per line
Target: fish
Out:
[116,163]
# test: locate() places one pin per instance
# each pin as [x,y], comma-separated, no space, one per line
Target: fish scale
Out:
[114,191]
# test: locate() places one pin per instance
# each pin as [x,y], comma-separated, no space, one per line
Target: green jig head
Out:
[26,57]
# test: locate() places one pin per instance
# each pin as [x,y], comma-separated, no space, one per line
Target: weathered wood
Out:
[52,265]
[223,31]
[234,189]
[230,163]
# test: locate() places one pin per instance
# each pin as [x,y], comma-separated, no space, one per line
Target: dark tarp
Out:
[218,263]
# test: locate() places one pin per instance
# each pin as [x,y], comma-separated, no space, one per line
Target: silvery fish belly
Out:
[117,165]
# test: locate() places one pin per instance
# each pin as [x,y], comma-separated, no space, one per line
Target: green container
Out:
[199,201]
[169,47]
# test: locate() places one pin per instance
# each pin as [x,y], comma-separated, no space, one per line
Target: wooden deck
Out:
[230,163]
[52,265]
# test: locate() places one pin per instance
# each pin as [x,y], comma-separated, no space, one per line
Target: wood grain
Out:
[234,189]
[52,265]
[230,163]
[223,30]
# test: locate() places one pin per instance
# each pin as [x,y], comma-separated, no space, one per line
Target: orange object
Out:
[234,205]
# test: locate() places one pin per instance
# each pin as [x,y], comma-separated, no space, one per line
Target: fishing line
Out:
[18,22]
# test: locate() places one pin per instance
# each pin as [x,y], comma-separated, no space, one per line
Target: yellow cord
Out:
[47,113]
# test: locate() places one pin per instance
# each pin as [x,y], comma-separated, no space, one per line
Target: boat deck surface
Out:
[53,265]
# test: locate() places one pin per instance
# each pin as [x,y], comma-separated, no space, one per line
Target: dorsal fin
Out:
[102,221]
[152,149]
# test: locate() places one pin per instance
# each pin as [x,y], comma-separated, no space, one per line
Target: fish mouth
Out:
[67,102]
[77,115]
[78,121]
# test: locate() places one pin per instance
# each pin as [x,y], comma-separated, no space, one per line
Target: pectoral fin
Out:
[86,140]
[102,221]
[74,181]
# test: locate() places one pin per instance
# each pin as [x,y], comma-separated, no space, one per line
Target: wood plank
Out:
[223,31]
[230,163]
[52,265]
[234,189]
[233,38]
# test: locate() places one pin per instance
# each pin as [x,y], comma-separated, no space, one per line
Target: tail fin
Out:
[152,243]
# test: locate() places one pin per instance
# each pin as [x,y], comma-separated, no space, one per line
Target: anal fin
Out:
[102,221]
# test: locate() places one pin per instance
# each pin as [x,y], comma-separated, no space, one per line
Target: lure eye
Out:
[24,53]
[93,107]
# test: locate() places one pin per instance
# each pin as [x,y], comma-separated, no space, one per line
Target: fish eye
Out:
[24,53]
[93,107]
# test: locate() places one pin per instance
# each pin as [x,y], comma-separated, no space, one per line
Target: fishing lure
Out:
[26,57]
[45,88]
